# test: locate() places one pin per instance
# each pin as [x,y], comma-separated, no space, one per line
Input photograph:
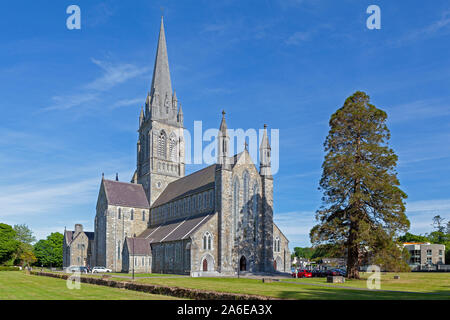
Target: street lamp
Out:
[134,238]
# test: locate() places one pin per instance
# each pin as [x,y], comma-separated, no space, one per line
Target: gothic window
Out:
[173,148]
[143,215]
[162,145]
[235,206]
[255,212]
[276,244]
[211,198]
[207,241]
[119,214]
[246,179]
[132,214]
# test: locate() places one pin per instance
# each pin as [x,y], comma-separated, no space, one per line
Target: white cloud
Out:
[298,37]
[113,74]
[128,102]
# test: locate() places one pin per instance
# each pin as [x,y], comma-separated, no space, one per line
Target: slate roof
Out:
[173,231]
[69,236]
[193,183]
[125,194]
[141,246]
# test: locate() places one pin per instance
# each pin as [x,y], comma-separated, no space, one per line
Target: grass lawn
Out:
[285,290]
[16,285]
[136,275]
[432,282]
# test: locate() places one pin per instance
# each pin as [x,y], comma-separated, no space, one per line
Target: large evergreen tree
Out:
[363,207]
[49,252]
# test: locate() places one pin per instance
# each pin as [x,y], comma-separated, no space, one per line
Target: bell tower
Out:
[160,147]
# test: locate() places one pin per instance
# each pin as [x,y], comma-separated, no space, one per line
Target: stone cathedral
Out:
[215,221]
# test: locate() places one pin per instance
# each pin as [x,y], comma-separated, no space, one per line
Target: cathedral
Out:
[215,221]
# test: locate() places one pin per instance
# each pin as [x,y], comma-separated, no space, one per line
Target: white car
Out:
[100,270]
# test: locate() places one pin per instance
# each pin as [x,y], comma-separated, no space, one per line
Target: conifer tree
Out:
[363,206]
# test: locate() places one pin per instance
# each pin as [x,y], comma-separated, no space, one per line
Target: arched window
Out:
[119,214]
[276,244]
[162,145]
[143,215]
[132,215]
[207,241]
[173,148]
[235,206]
[255,212]
[118,250]
[246,179]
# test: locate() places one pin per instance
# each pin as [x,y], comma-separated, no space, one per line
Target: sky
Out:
[70,99]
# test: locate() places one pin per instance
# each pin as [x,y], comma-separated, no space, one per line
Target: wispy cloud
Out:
[438,27]
[112,75]
[128,102]
[419,110]
[296,226]
[298,37]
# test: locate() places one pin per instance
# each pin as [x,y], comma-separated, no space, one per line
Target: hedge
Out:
[9,268]
[187,293]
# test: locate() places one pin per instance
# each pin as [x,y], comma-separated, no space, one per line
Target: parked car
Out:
[100,270]
[301,273]
[80,269]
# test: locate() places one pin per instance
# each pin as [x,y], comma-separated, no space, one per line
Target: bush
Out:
[9,268]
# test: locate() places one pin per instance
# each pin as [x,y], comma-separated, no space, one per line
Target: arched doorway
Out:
[243,264]
[205,265]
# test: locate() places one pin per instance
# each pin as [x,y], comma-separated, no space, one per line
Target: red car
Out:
[303,274]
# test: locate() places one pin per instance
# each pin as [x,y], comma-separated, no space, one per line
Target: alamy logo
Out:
[74,20]
[373,281]
[374,20]
[73,282]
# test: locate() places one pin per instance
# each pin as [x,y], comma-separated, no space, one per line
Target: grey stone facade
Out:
[215,221]
[422,254]
[78,247]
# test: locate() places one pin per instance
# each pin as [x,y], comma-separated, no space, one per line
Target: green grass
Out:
[285,290]
[136,275]
[19,286]
[409,281]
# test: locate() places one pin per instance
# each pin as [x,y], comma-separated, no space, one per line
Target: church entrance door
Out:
[243,264]
[205,265]
[275,265]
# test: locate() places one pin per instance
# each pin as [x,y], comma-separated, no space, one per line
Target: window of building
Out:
[119,214]
[143,261]
[207,241]
[255,212]
[211,199]
[235,206]
[429,260]
[162,142]
[118,250]
[143,215]
[199,202]
[246,179]
[276,244]
[132,214]
[429,252]
[440,252]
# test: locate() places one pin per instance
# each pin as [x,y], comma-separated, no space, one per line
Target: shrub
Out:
[9,268]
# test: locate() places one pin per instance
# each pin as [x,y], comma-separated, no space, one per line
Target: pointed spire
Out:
[180,115]
[223,124]
[141,116]
[222,144]
[117,176]
[264,155]
[161,74]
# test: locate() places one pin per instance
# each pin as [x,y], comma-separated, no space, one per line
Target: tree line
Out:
[18,247]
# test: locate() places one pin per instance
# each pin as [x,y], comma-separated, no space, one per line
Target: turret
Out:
[223,141]
[264,155]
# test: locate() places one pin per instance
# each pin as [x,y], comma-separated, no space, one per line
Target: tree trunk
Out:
[352,254]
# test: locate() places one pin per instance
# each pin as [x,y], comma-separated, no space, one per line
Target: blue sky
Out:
[70,99]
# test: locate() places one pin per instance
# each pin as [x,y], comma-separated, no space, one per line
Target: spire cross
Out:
[246,145]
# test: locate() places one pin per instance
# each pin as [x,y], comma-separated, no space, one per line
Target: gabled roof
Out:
[125,194]
[195,182]
[138,246]
[178,230]
[70,236]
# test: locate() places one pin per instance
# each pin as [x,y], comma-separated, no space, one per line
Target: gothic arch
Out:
[236,207]
[207,241]
[162,145]
[278,265]
[207,262]
[255,210]
[173,147]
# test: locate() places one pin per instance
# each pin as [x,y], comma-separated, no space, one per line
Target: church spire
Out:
[264,155]
[222,144]
[161,75]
